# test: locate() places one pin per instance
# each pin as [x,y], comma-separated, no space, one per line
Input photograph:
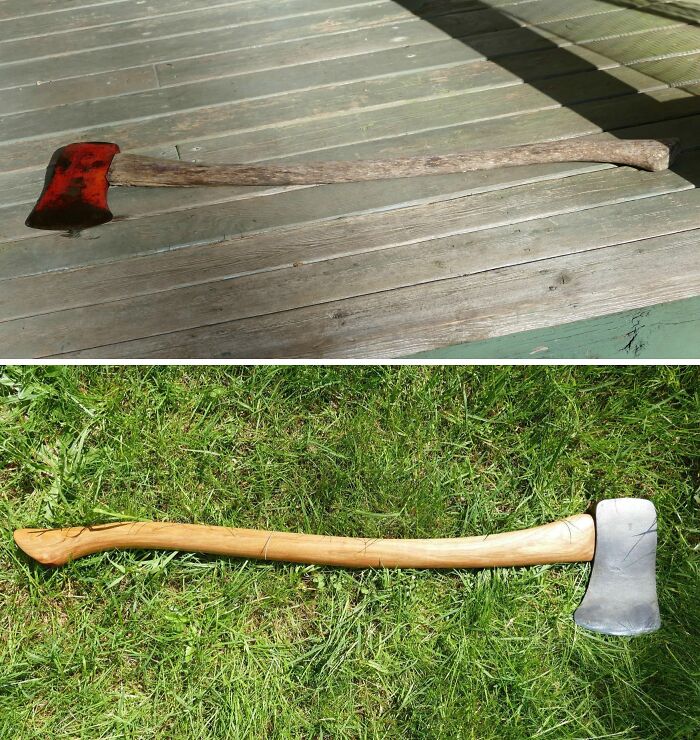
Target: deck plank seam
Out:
[182,34]
[64,10]
[560,42]
[218,6]
[370,3]
[324,116]
[360,54]
[516,82]
[236,2]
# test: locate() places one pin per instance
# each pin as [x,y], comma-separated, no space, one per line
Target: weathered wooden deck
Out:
[357,270]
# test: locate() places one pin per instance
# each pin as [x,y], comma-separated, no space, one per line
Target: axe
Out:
[78,175]
[620,538]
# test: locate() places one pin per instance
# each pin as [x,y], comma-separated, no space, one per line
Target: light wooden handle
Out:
[566,541]
[133,169]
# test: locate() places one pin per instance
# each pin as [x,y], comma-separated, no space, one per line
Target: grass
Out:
[151,644]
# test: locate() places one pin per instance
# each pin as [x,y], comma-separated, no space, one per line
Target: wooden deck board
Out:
[129,51]
[264,251]
[51,93]
[678,71]
[292,271]
[384,94]
[640,47]
[445,312]
[244,21]
[309,94]
[379,272]
[10,9]
[66,18]
[125,50]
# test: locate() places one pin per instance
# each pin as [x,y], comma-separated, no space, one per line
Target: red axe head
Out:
[75,189]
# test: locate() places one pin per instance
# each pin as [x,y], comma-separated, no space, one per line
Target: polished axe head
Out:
[621,594]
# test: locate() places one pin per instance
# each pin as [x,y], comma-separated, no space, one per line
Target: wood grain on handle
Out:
[133,169]
[565,541]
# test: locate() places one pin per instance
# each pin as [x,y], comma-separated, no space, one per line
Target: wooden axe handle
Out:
[565,541]
[133,169]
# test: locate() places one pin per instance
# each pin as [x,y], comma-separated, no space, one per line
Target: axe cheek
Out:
[621,595]
[75,189]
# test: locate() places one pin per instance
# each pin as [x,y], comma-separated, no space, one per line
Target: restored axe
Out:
[620,539]
[78,175]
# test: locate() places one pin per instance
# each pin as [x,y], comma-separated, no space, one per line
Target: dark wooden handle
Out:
[132,169]
[565,541]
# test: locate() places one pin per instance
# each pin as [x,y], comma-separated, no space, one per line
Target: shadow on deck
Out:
[563,61]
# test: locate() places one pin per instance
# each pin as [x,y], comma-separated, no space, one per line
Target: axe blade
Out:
[75,189]
[621,594]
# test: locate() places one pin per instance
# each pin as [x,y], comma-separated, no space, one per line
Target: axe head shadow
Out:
[621,595]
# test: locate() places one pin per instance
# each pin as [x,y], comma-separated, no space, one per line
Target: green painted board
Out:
[663,331]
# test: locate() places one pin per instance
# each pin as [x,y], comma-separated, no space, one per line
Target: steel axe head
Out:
[75,189]
[621,595]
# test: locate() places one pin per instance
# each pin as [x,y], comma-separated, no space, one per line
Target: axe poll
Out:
[620,539]
[78,176]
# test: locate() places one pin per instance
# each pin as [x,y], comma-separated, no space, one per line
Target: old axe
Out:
[620,538]
[78,176]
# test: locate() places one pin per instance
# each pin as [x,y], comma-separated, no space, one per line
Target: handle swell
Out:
[568,540]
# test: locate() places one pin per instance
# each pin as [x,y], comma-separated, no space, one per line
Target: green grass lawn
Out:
[150,644]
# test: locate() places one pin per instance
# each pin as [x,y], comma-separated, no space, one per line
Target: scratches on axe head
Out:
[640,536]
